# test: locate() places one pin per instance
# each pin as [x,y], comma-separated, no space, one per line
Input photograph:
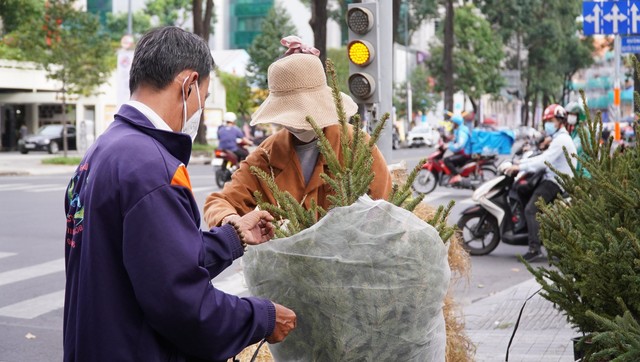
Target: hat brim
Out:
[291,109]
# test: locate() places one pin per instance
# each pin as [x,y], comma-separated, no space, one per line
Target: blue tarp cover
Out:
[488,142]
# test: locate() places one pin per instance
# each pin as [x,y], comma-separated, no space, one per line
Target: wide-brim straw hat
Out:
[297,89]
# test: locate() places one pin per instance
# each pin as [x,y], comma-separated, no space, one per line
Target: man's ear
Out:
[191,79]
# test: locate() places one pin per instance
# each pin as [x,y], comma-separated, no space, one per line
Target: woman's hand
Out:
[255,226]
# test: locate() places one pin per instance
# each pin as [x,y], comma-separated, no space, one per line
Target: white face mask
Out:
[572,119]
[190,126]
[304,136]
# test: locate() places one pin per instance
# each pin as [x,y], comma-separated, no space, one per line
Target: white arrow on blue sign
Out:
[611,17]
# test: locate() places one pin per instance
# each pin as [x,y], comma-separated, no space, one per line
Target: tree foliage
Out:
[238,95]
[69,45]
[477,56]
[594,244]
[15,12]
[544,44]
[418,12]
[266,47]
[168,12]
[116,24]
[423,96]
[338,57]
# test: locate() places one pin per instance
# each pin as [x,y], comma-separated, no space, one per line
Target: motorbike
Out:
[498,215]
[230,164]
[434,172]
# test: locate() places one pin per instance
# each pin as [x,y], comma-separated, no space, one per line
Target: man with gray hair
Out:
[138,266]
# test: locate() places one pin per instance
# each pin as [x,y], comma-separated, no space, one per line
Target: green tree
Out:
[116,24]
[546,33]
[64,41]
[266,47]
[341,63]
[238,93]
[168,11]
[477,55]
[418,12]
[423,96]
[14,13]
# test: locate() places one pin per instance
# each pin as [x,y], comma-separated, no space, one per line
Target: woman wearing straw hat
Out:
[297,89]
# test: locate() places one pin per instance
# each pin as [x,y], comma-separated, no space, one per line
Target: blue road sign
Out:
[611,17]
[630,44]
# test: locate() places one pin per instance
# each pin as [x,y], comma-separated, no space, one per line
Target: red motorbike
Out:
[230,164]
[434,172]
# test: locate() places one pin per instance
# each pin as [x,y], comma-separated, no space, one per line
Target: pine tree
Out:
[593,244]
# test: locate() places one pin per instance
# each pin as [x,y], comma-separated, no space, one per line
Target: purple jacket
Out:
[138,266]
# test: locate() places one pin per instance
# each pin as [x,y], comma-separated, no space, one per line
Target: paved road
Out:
[32,258]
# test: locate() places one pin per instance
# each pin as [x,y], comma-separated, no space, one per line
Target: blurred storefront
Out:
[28,97]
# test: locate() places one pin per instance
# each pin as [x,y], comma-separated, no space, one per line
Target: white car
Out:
[422,135]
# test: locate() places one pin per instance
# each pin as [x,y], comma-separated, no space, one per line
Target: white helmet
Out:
[229,117]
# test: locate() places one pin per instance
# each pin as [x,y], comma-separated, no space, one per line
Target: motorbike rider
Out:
[460,146]
[229,134]
[555,119]
[576,118]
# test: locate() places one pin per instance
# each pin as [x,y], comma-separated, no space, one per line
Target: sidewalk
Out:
[543,333]
[16,164]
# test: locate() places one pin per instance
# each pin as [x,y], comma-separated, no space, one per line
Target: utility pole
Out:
[406,48]
[616,86]
[386,77]
[130,20]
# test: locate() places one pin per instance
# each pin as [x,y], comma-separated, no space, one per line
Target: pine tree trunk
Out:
[448,56]
[318,24]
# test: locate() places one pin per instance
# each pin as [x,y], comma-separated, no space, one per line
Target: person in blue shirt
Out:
[461,148]
[229,134]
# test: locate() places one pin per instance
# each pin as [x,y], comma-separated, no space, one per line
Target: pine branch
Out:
[342,115]
[325,148]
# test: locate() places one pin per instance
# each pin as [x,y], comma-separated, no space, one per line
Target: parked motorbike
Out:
[230,164]
[498,214]
[434,172]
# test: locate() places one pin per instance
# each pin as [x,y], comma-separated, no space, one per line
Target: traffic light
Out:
[364,67]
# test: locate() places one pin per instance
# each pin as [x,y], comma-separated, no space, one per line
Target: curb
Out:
[14,173]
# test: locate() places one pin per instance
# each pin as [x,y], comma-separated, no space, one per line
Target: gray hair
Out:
[162,53]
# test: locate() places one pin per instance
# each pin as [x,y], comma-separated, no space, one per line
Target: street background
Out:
[32,261]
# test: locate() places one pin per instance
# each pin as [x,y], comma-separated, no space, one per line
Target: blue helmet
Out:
[457,119]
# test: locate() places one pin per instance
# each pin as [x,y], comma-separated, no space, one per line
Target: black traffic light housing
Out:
[364,68]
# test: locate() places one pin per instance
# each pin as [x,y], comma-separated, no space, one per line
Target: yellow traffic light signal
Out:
[360,52]
[363,38]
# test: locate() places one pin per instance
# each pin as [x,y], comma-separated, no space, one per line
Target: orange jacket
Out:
[277,154]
